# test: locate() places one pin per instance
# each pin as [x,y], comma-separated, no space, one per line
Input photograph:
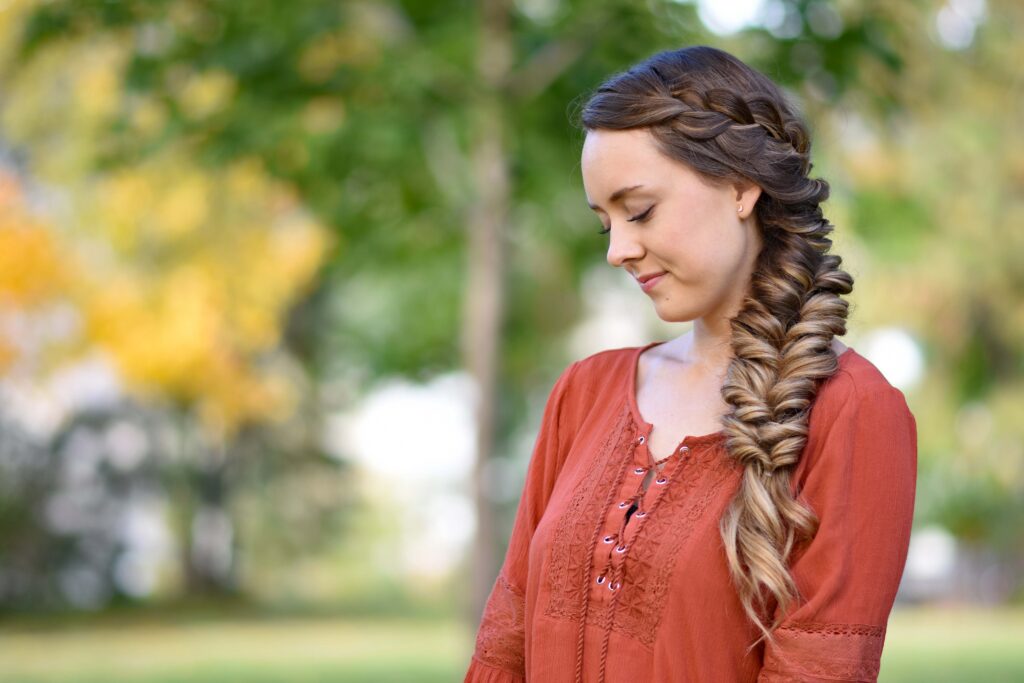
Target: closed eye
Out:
[639,218]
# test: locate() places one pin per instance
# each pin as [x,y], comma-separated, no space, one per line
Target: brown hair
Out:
[732,124]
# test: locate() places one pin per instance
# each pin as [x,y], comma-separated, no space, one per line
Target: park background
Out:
[284,286]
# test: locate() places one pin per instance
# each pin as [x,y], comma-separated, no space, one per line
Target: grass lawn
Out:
[246,651]
[930,646]
[947,646]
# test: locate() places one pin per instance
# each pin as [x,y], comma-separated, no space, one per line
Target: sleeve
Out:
[499,655]
[861,482]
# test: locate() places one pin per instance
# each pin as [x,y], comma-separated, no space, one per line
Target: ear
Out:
[747,194]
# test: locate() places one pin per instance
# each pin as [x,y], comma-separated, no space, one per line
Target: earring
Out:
[739,209]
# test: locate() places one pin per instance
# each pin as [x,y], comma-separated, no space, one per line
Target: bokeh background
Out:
[284,286]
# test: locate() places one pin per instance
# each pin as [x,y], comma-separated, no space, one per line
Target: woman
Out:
[734,504]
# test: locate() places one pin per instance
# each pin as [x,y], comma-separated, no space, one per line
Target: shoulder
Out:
[858,409]
[594,381]
[603,371]
[858,381]
[608,360]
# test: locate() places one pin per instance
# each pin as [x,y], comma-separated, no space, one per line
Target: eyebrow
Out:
[617,195]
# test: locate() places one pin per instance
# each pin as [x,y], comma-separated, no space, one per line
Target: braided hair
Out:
[730,123]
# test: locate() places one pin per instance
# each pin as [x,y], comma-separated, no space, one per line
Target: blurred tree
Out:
[35,274]
[35,271]
[186,271]
[935,190]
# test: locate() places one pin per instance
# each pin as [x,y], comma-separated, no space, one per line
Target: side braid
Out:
[771,383]
[731,124]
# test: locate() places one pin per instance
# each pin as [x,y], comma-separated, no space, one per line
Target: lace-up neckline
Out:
[646,427]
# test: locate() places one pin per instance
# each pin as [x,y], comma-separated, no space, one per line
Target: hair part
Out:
[732,124]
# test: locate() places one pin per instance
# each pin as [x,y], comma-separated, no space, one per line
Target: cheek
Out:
[706,259]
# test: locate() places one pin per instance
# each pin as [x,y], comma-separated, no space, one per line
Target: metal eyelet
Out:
[614,586]
[624,504]
[609,539]
[639,470]
[641,439]
[684,450]
[600,579]
[620,549]
[660,480]
[641,513]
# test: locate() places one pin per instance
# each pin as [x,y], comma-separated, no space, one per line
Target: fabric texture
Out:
[588,592]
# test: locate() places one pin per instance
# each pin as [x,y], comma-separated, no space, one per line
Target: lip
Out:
[648,282]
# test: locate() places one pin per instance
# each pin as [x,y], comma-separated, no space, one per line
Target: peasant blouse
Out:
[588,592]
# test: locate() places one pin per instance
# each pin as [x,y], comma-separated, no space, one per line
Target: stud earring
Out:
[739,209]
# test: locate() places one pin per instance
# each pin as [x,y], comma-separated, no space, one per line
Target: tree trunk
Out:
[208,548]
[485,290]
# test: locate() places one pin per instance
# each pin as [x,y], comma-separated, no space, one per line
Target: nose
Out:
[622,247]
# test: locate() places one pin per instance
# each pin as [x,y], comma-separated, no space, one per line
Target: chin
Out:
[673,313]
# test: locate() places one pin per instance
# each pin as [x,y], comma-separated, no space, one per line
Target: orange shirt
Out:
[653,591]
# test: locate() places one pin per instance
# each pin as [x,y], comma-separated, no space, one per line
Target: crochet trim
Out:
[831,651]
[501,639]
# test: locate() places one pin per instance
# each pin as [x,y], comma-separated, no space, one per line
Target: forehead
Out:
[615,158]
[606,149]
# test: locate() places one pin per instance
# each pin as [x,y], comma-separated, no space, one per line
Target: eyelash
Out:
[639,218]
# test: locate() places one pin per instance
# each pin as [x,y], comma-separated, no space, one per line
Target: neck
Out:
[710,345]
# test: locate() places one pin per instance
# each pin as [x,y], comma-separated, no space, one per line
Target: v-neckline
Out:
[646,427]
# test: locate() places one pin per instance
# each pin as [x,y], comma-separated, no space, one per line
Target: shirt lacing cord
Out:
[614,579]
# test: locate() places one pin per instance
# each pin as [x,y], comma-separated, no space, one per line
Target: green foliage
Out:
[365,108]
[895,223]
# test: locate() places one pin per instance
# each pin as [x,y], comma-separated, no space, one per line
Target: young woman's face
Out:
[664,219]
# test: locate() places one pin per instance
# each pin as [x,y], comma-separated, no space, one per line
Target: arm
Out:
[499,654]
[861,483]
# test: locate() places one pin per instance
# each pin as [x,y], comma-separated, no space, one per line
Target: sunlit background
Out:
[284,287]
